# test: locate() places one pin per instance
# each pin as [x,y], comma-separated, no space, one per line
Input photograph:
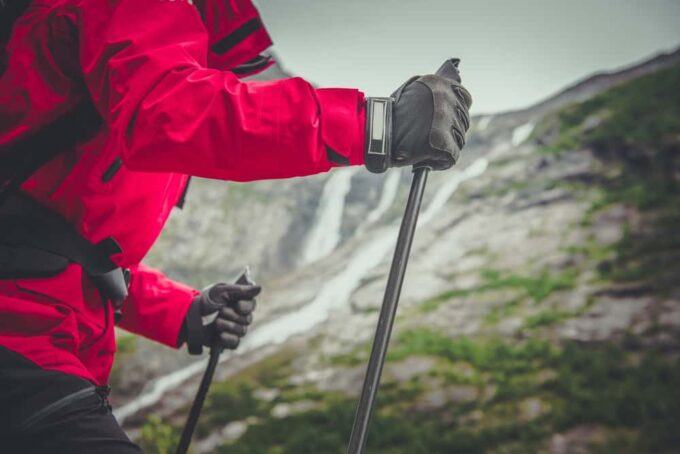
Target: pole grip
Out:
[449,69]
[206,380]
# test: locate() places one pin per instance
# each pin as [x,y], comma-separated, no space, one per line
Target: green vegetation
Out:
[126,345]
[481,354]
[499,189]
[535,288]
[652,258]
[592,250]
[641,114]
[433,303]
[503,311]
[634,129]
[239,193]
[234,399]
[637,402]
[643,130]
[158,438]
[353,358]
[229,401]
[547,318]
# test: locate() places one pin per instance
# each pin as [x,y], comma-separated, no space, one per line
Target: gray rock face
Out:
[441,397]
[344,380]
[225,226]
[411,367]
[577,440]
[230,432]
[606,319]
[283,410]
[532,408]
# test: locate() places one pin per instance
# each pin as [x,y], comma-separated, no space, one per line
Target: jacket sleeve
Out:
[145,66]
[156,306]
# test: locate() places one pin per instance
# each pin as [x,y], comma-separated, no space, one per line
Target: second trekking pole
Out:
[203,388]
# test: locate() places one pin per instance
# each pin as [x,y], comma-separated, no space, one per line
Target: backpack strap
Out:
[21,159]
[35,240]
[10,11]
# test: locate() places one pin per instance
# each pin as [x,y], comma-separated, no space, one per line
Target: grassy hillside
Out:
[536,389]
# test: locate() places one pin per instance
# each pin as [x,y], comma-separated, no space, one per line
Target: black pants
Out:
[43,411]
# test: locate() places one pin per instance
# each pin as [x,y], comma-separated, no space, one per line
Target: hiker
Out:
[106,109]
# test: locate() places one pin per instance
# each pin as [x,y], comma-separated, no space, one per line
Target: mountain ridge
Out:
[588,87]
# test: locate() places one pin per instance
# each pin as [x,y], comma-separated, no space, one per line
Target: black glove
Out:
[422,124]
[234,304]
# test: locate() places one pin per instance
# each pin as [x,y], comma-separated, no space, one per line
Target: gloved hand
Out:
[422,124]
[231,305]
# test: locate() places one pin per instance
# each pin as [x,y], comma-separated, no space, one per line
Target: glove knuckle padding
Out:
[463,95]
[411,123]
[229,340]
[245,307]
[444,115]
[225,326]
[227,313]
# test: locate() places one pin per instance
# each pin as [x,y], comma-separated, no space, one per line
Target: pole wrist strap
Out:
[194,329]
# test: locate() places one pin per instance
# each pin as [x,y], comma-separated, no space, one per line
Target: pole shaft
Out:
[388,311]
[197,406]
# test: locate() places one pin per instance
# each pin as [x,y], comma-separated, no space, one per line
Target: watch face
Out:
[377,117]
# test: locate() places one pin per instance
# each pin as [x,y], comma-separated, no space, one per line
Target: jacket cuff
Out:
[343,116]
[169,327]
[159,313]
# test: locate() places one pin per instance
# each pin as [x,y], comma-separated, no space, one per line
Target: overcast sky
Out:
[514,52]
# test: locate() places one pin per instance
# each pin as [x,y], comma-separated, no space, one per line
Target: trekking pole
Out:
[381,341]
[197,406]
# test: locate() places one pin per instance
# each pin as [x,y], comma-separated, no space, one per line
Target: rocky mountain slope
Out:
[540,313]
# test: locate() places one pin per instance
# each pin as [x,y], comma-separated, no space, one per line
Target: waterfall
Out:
[324,235]
[484,122]
[334,294]
[521,133]
[152,394]
[387,196]
[446,191]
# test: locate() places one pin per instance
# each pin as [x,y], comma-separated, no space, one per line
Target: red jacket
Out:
[161,75]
